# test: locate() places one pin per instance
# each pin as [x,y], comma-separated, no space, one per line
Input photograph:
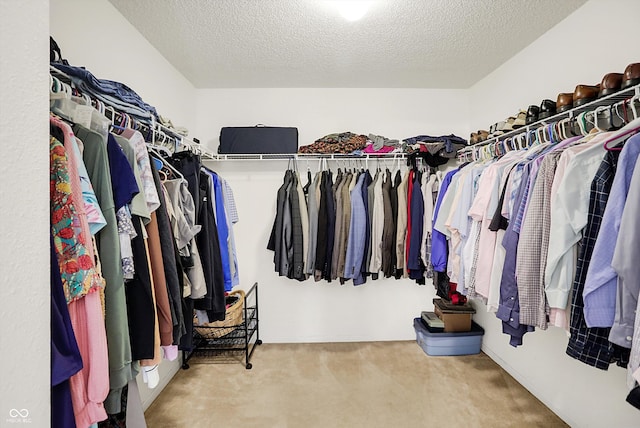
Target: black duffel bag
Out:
[258,139]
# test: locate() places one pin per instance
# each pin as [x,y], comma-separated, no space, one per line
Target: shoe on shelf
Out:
[508,124]
[631,75]
[532,114]
[521,120]
[498,129]
[611,83]
[565,101]
[492,130]
[482,135]
[547,109]
[584,94]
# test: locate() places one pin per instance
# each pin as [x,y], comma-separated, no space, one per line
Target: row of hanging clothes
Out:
[141,236]
[354,223]
[543,228]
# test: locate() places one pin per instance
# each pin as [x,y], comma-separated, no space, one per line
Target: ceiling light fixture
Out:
[353,10]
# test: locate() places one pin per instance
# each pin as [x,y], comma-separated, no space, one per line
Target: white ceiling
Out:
[306,43]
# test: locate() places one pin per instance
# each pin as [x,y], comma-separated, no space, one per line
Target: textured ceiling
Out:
[306,43]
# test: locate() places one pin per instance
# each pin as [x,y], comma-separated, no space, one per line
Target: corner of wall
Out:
[569,54]
[24,214]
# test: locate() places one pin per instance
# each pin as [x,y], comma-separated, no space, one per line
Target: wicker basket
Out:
[232,320]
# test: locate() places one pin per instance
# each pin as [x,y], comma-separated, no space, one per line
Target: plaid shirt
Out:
[591,345]
[532,247]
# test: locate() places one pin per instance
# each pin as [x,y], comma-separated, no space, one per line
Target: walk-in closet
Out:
[314,213]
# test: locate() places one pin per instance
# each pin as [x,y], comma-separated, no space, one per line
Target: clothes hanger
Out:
[87,99]
[58,88]
[165,164]
[519,141]
[571,126]
[564,126]
[539,134]
[557,132]
[53,85]
[511,146]
[597,113]
[582,123]
[112,119]
[515,140]
[590,117]
[550,137]
[486,152]
[497,149]
[616,109]
[635,100]
[631,128]
[122,121]
[113,114]
[160,150]
[305,189]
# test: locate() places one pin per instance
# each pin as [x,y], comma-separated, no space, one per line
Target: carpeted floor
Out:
[351,385]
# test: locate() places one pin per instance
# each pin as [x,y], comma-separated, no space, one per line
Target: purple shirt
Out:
[509,306]
[439,247]
[601,283]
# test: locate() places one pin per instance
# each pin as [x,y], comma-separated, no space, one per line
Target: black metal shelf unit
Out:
[243,339]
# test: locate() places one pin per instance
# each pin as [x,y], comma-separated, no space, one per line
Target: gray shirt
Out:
[312,211]
[625,263]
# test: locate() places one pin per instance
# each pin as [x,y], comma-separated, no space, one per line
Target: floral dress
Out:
[77,267]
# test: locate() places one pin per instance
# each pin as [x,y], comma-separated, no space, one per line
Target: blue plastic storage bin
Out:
[459,343]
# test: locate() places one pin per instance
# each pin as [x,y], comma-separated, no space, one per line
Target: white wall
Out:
[394,113]
[309,311]
[568,54]
[93,34]
[24,213]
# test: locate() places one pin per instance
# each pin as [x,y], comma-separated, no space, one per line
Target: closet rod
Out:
[608,100]
[153,127]
[305,156]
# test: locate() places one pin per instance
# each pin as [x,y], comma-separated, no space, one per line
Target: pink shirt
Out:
[90,386]
[482,209]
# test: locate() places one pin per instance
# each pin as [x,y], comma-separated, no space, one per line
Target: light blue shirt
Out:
[625,262]
[439,246]
[232,218]
[357,235]
[223,230]
[601,282]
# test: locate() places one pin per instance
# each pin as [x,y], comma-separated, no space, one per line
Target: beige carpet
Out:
[379,384]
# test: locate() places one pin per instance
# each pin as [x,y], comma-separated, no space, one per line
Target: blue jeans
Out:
[110,90]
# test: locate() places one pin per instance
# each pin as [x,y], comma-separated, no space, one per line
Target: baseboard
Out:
[529,386]
[168,369]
